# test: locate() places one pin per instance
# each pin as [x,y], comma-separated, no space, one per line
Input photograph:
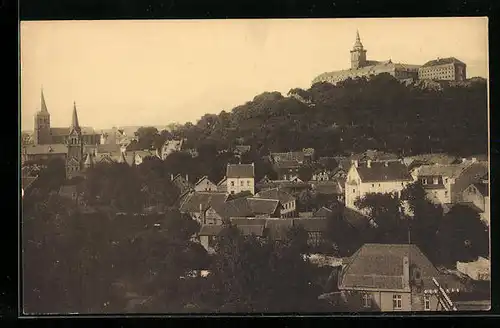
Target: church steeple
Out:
[74,121]
[358,53]
[43,107]
[358,44]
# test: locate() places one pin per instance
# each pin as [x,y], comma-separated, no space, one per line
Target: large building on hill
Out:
[362,67]
[446,69]
[443,69]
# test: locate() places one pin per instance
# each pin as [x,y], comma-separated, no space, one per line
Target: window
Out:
[248,183]
[353,191]
[397,302]
[232,183]
[367,300]
[427,302]
[241,183]
[424,181]
[373,185]
[446,192]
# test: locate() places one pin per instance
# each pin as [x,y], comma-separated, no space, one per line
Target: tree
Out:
[463,236]
[146,137]
[424,219]
[385,210]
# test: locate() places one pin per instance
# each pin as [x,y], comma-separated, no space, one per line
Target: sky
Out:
[157,72]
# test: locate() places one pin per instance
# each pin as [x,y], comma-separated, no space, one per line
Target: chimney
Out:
[171,177]
[369,163]
[474,160]
[201,208]
[386,164]
[406,273]
[464,160]
[187,177]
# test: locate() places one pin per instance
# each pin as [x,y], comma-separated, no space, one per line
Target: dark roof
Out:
[374,155]
[277,194]
[210,230]
[449,171]
[193,201]
[471,174]
[240,171]
[181,183]
[260,206]
[380,266]
[443,61]
[482,188]
[278,228]
[327,187]
[247,221]
[108,148]
[323,212]
[311,224]
[287,164]
[46,149]
[384,171]
[254,229]
[355,219]
[65,131]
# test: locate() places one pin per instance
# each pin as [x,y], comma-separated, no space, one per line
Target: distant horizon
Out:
[147,73]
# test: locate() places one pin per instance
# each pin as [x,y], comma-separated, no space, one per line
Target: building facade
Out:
[374,177]
[443,69]
[240,177]
[392,278]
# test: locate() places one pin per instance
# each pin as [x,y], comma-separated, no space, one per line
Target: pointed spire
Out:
[74,120]
[358,44]
[43,104]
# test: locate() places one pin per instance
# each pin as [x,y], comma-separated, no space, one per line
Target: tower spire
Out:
[74,120]
[358,44]
[43,105]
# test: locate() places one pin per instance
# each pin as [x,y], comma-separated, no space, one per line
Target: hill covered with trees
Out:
[352,116]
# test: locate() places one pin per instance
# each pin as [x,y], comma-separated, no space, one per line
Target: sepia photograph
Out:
[270,166]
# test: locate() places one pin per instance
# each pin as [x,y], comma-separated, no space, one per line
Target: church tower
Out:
[74,158]
[358,54]
[42,125]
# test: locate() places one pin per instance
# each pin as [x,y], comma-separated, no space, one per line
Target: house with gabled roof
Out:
[445,184]
[375,177]
[222,185]
[287,169]
[182,183]
[287,201]
[240,177]
[204,184]
[388,277]
[196,203]
[478,194]
[218,213]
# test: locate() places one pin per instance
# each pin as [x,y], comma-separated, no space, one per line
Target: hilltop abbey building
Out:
[450,69]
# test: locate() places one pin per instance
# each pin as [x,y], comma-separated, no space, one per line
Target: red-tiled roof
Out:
[240,171]
[384,171]
[380,266]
